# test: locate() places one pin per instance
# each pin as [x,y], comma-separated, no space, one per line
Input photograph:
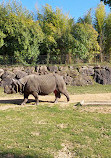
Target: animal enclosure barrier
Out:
[52,59]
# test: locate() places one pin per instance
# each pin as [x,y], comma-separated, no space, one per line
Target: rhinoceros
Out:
[38,85]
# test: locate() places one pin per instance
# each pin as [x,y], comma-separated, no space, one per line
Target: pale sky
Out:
[75,8]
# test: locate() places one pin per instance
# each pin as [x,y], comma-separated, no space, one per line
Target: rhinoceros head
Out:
[8,89]
[12,88]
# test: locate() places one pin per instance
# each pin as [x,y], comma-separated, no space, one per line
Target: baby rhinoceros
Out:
[38,85]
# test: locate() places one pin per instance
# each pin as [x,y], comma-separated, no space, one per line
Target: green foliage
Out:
[54,34]
[21,36]
[57,29]
[108,35]
[86,45]
[2,36]
[100,18]
[99,25]
[86,19]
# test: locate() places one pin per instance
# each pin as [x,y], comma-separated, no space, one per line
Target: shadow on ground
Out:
[13,155]
[19,101]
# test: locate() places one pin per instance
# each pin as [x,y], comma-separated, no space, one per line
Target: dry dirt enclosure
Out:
[103,97]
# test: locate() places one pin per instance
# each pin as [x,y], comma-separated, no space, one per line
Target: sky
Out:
[75,8]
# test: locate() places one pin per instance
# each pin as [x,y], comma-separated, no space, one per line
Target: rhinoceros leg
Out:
[64,91]
[57,95]
[25,99]
[66,94]
[35,94]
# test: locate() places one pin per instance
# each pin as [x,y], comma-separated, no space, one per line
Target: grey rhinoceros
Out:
[38,85]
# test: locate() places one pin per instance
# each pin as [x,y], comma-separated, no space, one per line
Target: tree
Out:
[57,29]
[99,26]
[107,2]
[108,36]
[2,36]
[86,45]
[21,36]
[86,19]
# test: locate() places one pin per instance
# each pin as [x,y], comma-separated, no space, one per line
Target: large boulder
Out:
[72,73]
[68,75]
[7,74]
[89,71]
[6,78]
[19,74]
[82,80]
[29,70]
[5,81]
[1,72]
[52,68]
[42,70]
[74,78]
[103,75]
[68,80]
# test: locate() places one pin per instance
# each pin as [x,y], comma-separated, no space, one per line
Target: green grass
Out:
[90,89]
[2,94]
[39,131]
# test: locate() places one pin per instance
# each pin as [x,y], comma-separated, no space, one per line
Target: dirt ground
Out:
[103,97]
[14,101]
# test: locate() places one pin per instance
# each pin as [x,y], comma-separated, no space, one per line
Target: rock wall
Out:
[75,76]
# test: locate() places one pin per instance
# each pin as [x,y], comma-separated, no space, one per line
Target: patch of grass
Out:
[2,94]
[89,89]
[39,132]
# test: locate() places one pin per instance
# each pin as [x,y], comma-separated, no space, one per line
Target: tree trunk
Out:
[68,58]
[48,57]
[101,46]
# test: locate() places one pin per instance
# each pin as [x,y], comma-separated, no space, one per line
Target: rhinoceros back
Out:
[60,82]
[43,84]
[47,84]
